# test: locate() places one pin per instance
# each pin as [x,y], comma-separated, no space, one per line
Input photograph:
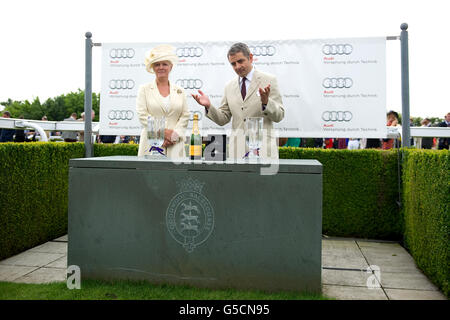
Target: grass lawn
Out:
[136,290]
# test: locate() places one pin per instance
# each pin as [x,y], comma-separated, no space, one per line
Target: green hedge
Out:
[426,198]
[33,193]
[34,190]
[360,191]
[123,149]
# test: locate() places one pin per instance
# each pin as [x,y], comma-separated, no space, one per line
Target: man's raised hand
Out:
[202,99]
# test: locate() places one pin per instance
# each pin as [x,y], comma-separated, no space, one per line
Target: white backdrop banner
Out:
[331,88]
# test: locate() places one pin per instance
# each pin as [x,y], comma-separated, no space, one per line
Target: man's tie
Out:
[243,89]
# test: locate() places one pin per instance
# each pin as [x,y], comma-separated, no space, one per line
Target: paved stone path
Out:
[352,269]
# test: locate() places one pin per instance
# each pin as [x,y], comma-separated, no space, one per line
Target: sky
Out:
[43,42]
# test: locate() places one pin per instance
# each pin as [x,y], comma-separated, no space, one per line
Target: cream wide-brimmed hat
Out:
[163,52]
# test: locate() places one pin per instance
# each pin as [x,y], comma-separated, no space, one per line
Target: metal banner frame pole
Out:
[88,146]
[406,130]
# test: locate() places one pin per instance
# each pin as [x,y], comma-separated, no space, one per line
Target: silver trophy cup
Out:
[253,136]
[155,136]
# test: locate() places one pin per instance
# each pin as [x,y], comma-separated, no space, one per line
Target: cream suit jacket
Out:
[234,108]
[149,102]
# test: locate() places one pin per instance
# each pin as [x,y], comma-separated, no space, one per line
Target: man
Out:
[6,135]
[70,136]
[252,94]
[318,143]
[444,142]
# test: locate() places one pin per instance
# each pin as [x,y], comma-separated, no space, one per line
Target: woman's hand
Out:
[170,137]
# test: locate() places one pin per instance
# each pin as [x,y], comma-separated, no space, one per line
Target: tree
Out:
[56,109]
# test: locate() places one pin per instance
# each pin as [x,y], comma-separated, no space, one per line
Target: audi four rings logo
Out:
[334,116]
[118,53]
[340,49]
[121,84]
[187,52]
[189,83]
[337,83]
[262,50]
[120,115]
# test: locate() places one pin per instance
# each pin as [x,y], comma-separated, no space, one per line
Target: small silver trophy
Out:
[155,136]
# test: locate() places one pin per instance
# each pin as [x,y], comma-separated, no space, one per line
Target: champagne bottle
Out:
[195,149]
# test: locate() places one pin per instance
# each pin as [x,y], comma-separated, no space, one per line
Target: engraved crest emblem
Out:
[190,216]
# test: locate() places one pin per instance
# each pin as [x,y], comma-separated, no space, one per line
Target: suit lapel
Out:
[253,85]
[236,87]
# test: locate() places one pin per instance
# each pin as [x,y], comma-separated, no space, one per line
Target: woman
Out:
[161,98]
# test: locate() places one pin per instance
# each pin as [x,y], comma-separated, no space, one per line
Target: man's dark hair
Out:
[239,47]
[7,113]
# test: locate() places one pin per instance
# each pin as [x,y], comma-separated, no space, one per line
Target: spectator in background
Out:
[425,142]
[293,142]
[47,133]
[335,143]
[411,124]
[373,143]
[353,144]
[124,139]
[328,143]
[19,135]
[318,142]
[7,135]
[70,136]
[107,139]
[444,142]
[135,139]
[289,142]
[81,133]
[342,143]
[392,121]
[282,141]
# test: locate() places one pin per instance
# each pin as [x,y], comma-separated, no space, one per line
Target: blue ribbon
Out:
[160,150]
[246,155]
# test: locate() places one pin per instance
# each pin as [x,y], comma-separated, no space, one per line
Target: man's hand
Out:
[202,99]
[264,93]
